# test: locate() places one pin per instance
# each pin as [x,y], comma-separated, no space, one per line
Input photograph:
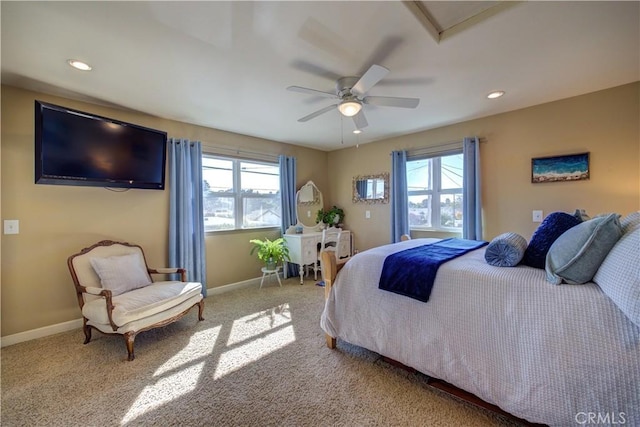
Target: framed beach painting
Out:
[572,167]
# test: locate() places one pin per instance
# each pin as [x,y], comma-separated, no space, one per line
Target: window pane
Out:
[259,178]
[217,175]
[451,172]
[451,210]
[219,212]
[420,175]
[420,211]
[261,212]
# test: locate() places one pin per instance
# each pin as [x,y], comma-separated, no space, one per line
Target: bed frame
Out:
[330,269]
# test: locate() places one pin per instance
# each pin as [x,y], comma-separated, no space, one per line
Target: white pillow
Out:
[630,222]
[121,273]
[619,275]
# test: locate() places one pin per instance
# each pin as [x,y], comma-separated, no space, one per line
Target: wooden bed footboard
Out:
[329,268]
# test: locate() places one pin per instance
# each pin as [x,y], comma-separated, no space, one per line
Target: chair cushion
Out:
[619,275]
[142,302]
[576,255]
[505,250]
[121,273]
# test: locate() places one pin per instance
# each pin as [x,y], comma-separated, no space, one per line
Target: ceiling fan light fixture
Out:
[495,94]
[79,65]
[349,107]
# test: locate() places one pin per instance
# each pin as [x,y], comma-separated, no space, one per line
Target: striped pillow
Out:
[506,250]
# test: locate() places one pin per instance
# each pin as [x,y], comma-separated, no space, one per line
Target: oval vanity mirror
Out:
[308,202]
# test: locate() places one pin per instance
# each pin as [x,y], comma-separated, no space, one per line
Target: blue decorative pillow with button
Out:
[553,226]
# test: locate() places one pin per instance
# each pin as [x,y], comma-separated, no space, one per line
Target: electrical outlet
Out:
[11,226]
[367,214]
[308,214]
[537,216]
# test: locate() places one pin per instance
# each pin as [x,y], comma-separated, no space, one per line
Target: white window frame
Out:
[436,192]
[238,195]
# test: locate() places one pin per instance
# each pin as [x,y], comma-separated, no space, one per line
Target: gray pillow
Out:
[576,255]
[506,250]
[619,275]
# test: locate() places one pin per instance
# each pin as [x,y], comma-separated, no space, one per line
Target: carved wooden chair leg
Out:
[87,332]
[129,337]
[200,310]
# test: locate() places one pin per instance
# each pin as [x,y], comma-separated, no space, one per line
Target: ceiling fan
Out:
[350,91]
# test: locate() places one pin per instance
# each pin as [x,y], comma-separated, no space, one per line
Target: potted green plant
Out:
[330,217]
[270,252]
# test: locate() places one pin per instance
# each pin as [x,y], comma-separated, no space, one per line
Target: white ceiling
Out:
[227,65]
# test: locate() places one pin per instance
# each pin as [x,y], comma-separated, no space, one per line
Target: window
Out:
[434,187]
[240,194]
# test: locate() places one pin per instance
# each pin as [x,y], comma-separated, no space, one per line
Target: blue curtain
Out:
[186,219]
[288,199]
[472,206]
[399,196]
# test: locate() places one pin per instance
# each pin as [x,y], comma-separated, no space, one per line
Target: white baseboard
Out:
[40,332]
[77,323]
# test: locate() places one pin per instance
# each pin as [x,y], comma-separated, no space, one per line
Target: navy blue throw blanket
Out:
[412,272]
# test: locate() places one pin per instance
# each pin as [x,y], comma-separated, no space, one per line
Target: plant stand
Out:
[268,273]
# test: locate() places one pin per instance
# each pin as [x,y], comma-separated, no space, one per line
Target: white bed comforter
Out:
[548,354]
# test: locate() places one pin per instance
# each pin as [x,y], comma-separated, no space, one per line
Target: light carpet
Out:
[258,359]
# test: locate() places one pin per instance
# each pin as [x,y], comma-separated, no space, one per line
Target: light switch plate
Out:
[537,216]
[11,226]
[367,214]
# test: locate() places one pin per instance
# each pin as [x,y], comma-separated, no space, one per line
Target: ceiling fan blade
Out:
[312,91]
[374,74]
[390,101]
[384,49]
[360,120]
[314,69]
[317,113]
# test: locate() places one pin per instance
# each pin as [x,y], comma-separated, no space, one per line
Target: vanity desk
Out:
[303,248]
[304,238]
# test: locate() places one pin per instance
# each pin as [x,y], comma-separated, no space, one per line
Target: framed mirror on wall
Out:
[371,188]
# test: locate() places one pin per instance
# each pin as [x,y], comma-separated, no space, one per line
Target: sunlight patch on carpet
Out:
[165,390]
[260,323]
[199,347]
[254,337]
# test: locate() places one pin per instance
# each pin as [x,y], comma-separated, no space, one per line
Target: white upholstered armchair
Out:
[117,295]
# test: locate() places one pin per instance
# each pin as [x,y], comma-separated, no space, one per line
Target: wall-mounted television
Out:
[77,148]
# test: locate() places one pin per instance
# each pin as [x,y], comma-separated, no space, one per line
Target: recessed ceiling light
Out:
[79,65]
[495,94]
[357,131]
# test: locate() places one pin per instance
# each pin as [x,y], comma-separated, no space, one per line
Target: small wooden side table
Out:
[268,273]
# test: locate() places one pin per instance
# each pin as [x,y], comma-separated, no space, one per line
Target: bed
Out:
[556,355]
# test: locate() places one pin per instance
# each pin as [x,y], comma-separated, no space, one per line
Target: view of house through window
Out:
[435,192]
[240,194]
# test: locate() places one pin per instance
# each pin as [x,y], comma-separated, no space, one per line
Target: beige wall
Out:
[57,221]
[604,123]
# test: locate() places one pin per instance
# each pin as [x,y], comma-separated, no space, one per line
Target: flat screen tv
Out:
[76,148]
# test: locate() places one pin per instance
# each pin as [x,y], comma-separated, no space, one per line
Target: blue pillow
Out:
[576,255]
[549,230]
[505,250]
